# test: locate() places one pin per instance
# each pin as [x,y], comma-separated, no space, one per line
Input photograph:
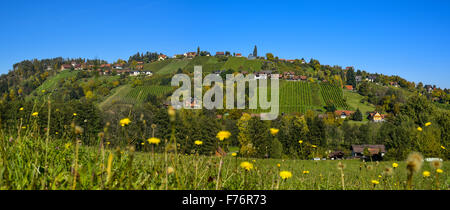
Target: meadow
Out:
[35,163]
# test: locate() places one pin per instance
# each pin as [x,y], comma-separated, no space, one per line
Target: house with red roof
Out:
[162,57]
[343,114]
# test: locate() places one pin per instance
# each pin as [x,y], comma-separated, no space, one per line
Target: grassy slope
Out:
[209,64]
[242,64]
[354,102]
[117,94]
[173,66]
[52,82]
[156,66]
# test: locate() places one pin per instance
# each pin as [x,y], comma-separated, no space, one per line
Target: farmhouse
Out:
[288,75]
[66,66]
[429,88]
[220,53]
[162,57]
[377,117]
[348,87]
[190,54]
[137,73]
[395,84]
[343,114]
[375,151]
[238,55]
[118,66]
[371,78]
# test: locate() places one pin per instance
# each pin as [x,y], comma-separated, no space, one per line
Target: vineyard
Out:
[333,95]
[140,93]
[294,97]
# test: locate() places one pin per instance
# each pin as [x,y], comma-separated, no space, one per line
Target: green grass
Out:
[117,94]
[173,67]
[354,102]
[53,82]
[209,64]
[28,163]
[156,66]
[242,64]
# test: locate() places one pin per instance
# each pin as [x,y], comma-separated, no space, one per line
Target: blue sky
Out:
[406,38]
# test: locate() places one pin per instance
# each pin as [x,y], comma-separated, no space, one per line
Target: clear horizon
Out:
[410,39]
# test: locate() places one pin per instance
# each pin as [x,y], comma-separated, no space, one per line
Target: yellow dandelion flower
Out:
[143,143]
[247,166]
[285,174]
[254,161]
[305,172]
[278,165]
[442,147]
[198,142]
[300,142]
[21,109]
[234,154]
[394,165]
[67,145]
[428,124]
[108,143]
[35,114]
[23,127]
[419,129]
[56,133]
[125,121]
[379,176]
[426,174]
[223,135]
[313,146]
[43,91]
[154,140]
[375,182]
[74,114]
[274,131]
[170,170]
[439,171]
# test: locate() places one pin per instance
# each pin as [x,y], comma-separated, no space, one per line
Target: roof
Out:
[346,112]
[374,113]
[373,148]
[349,87]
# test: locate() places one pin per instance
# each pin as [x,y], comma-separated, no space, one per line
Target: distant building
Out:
[238,55]
[190,54]
[220,53]
[251,57]
[348,87]
[377,117]
[162,57]
[343,114]
[429,88]
[371,78]
[375,151]
[66,66]
[395,84]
